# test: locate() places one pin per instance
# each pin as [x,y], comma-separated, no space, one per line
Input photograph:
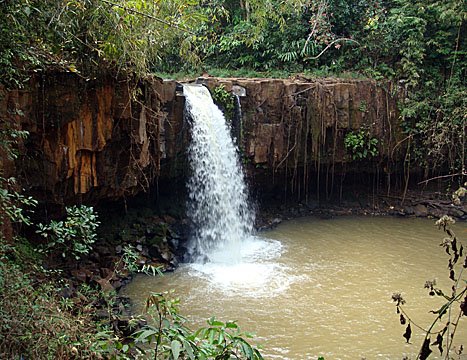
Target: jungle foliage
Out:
[420,44]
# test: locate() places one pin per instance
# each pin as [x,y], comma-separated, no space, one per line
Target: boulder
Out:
[420,210]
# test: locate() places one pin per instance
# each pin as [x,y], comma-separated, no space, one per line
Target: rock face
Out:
[111,138]
[307,120]
[294,129]
[93,140]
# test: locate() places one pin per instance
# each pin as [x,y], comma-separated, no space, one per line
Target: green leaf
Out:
[147,334]
[175,346]
[247,349]
[231,325]
[188,349]
[213,322]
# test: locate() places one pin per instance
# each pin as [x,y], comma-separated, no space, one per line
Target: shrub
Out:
[167,337]
[73,236]
[360,145]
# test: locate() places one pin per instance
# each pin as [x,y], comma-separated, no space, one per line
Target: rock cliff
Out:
[112,138]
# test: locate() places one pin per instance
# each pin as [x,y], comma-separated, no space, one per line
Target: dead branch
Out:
[320,11]
[400,142]
[329,45]
[442,177]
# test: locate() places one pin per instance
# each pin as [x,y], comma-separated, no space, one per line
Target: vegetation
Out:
[73,236]
[455,306]
[85,37]
[360,145]
[225,101]
[167,337]
[420,44]
[44,318]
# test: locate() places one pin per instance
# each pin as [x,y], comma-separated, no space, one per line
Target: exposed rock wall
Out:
[294,130]
[290,118]
[94,139]
[112,138]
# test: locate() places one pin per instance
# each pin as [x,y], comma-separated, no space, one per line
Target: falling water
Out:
[217,205]
[237,120]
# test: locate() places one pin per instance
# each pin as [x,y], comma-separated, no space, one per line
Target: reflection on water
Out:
[321,287]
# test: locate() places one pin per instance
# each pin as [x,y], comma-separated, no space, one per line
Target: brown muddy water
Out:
[315,287]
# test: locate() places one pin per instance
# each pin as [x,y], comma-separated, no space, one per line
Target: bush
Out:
[37,322]
[167,337]
[360,145]
[73,236]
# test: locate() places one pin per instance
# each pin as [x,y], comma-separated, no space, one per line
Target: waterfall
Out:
[218,195]
[236,127]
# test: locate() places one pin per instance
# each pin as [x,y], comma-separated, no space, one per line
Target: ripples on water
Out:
[320,287]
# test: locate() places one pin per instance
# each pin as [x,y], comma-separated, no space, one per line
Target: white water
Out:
[218,207]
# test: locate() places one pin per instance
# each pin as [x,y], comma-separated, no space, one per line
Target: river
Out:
[314,287]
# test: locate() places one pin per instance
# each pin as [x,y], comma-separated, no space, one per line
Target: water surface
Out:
[316,287]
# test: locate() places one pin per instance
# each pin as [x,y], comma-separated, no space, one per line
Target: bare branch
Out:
[442,177]
[320,11]
[149,16]
[329,45]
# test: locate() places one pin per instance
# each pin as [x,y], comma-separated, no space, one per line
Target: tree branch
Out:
[329,45]
[149,16]
[442,177]
[320,11]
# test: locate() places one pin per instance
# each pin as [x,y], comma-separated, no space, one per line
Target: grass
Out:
[251,73]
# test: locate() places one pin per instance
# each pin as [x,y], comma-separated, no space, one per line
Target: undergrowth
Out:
[37,321]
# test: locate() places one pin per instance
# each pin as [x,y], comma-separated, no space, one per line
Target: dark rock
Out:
[454,211]
[102,314]
[174,262]
[83,275]
[174,243]
[66,292]
[105,272]
[94,256]
[420,210]
[141,260]
[117,284]
[276,221]
[166,255]
[436,213]
[154,252]
[169,219]
[103,250]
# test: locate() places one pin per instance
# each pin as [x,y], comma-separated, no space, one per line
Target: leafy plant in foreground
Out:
[167,337]
[455,305]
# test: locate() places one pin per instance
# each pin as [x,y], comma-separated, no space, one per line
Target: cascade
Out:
[237,120]
[218,195]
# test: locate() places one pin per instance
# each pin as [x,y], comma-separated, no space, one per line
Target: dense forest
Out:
[420,45]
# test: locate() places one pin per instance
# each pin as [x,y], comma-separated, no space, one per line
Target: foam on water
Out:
[259,273]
